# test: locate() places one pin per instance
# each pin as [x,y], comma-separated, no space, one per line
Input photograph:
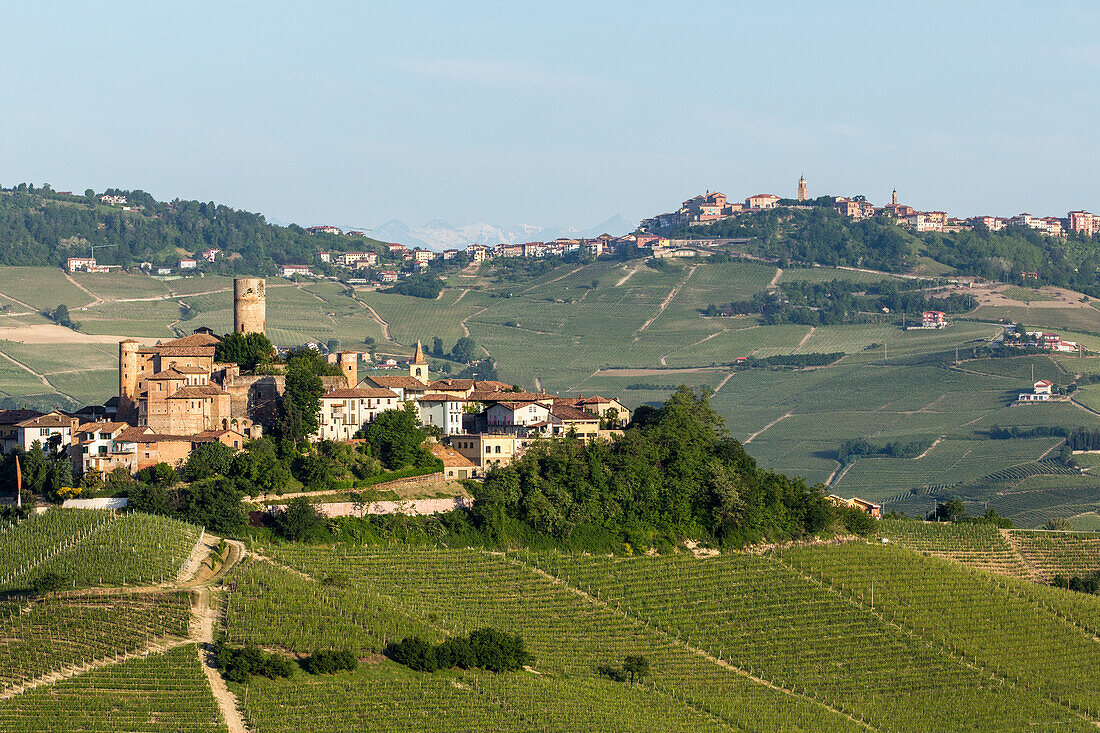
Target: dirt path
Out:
[1032,570]
[676,641]
[200,577]
[928,450]
[775,279]
[629,274]
[829,481]
[375,316]
[152,298]
[96,300]
[550,282]
[41,377]
[777,420]
[460,296]
[155,646]
[806,337]
[668,299]
[20,302]
[722,384]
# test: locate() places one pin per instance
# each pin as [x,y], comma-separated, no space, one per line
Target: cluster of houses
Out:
[174,397]
[1038,340]
[714,206]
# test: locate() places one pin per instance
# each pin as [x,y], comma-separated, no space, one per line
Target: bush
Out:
[489,649]
[300,520]
[328,662]
[48,582]
[238,664]
[857,521]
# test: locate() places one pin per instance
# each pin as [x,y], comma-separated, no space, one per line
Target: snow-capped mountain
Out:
[440,235]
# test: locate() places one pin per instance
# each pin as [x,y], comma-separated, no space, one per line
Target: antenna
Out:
[102,246]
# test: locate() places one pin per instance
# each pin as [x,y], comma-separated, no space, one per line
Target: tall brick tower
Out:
[802,188]
[349,365]
[249,305]
[128,380]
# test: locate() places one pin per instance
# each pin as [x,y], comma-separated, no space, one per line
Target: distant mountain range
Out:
[440,235]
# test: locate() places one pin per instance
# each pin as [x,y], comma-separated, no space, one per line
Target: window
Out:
[498,449]
[488,449]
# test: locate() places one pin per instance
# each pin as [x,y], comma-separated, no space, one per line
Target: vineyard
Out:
[95,548]
[787,640]
[161,692]
[52,634]
[912,634]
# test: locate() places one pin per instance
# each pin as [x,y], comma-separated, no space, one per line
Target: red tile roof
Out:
[358,393]
[195,392]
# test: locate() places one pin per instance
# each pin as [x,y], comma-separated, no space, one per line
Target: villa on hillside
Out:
[1042,391]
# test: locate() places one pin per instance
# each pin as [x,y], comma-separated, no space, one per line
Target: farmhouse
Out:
[934,319]
[455,465]
[868,507]
[1041,392]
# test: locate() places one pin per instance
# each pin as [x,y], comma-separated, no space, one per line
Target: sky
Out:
[553,113]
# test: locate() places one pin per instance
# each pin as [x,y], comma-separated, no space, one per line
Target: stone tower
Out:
[128,374]
[249,305]
[418,367]
[349,365]
[802,188]
[894,198]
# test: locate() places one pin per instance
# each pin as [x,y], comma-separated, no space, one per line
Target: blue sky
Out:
[553,113]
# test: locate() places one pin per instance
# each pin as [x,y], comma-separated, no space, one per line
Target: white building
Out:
[76,264]
[188,264]
[41,429]
[442,411]
[510,417]
[292,270]
[346,411]
[1041,392]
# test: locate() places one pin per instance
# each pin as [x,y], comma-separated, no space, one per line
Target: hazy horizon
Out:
[560,115]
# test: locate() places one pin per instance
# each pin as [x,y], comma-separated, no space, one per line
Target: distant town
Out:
[705,208]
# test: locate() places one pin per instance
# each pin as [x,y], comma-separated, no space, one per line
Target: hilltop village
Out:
[384,264]
[175,396]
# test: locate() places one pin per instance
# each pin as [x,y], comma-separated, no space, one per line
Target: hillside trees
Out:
[675,471]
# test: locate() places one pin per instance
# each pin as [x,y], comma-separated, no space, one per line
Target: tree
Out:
[437,347]
[48,582]
[207,460]
[299,521]
[333,345]
[257,469]
[213,503]
[395,437]
[465,350]
[249,350]
[301,401]
[636,667]
[1058,524]
[952,510]
[160,474]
